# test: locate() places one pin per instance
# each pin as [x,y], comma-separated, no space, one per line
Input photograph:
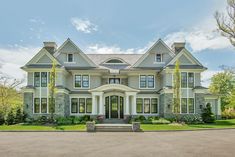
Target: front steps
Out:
[113,128]
[113,121]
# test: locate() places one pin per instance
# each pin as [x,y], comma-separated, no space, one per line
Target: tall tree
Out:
[176,86]
[226,23]
[222,84]
[52,90]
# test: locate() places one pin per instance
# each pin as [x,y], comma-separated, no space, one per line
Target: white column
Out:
[127,112]
[101,105]
[134,104]
[94,105]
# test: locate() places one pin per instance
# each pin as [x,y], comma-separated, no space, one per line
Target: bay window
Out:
[190,80]
[37,79]
[154,105]
[81,105]
[36,105]
[146,105]
[184,105]
[139,105]
[184,80]
[43,105]
[74,105]
[88,105]
[43,79]
[191,105]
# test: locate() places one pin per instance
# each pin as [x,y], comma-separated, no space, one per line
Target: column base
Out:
[127,118]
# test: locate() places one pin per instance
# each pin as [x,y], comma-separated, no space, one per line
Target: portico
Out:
[114,101]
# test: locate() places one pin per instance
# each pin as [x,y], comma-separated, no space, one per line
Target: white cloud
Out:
[207,75]
[83,25]
[199,39]
[11,59]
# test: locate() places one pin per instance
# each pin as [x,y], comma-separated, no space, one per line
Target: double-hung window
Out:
[147,105]
[81,105]
[37,79]
[43,79]
[187,80]
[70,57]
[158,57]
[36,105]
[184,80]
[190,80]
[40,105]
[81,81]
[146,81]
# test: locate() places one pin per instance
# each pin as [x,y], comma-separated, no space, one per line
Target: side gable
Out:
[80,59]
[185,58]
[148,59]
[43,57]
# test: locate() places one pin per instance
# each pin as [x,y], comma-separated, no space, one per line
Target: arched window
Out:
[115,61]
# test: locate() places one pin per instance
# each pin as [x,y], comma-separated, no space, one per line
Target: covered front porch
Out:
[113,101]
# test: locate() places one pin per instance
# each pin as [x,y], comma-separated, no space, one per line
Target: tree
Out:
[52,90]
[207,115]
[19,116]
[176,86]
[10,118]
[2,120]
[10,96]
[226,23]
[222,84]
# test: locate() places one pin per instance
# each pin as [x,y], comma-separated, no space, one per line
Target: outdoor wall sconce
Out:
[27,106]
[169,106]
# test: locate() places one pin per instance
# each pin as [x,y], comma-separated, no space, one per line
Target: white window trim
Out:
[158,106]
[67,58]
[154,81]
[161,58]
[78,97]
[81,81]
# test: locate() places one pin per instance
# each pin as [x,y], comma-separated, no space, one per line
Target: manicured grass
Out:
[22,127]
[217,125]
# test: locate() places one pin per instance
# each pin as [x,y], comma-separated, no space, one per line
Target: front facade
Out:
[115,86]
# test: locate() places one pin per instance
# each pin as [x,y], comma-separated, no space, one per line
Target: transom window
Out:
[41,79]
[114,80]
[81,105]
[70,57]
[158,57]
[147,105]
[187,80]
[81,81]
[146,81]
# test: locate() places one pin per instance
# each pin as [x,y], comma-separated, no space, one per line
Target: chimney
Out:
[178,46]
[50,46]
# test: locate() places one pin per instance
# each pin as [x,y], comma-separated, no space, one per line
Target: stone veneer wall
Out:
[62,104]
[28,104]
[199,100]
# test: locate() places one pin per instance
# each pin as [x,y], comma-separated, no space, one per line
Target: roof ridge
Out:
[111,54]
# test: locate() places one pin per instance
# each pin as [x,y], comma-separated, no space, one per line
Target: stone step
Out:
[113,127]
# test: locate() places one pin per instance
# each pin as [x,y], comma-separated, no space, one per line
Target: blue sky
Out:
[108,26]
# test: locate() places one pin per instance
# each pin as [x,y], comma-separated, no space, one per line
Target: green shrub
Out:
[140,118]
[10,118]
[191,119]
[207,115]
[19,116]
[64,120]
[228,113]
[2,120]
[77,120]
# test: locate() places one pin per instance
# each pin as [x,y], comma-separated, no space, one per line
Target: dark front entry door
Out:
[114,106]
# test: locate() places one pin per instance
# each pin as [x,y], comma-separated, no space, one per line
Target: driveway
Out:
[150,144]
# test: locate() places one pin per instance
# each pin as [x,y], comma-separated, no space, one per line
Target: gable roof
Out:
[78,50]
[159,41]
[187,54]
[41,54]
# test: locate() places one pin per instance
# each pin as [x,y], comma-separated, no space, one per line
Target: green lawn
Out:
[21,127]
[218,124]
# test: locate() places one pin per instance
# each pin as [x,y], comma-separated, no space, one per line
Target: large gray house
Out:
[115,86]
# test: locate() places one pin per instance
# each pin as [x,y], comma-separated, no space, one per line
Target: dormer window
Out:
[114,61]
[158,57]
[70,57]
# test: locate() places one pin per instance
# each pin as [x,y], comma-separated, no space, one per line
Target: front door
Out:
[114,106]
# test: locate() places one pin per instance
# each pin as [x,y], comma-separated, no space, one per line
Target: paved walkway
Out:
[150,144]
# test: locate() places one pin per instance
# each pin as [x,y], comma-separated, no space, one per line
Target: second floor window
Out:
[146,81]
[70,58]
[81,81]
[41,79]
[187,80]
[114,80]
[158,57]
